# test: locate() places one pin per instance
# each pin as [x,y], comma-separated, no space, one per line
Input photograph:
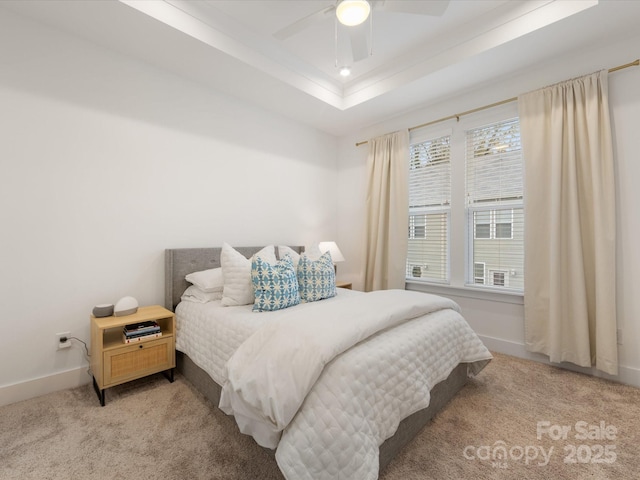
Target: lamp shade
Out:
[352,12]
[332,247]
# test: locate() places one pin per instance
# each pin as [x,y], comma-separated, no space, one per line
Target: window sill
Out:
[515,298]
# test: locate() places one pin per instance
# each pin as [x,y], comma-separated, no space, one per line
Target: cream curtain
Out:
[570,304]
[387,221]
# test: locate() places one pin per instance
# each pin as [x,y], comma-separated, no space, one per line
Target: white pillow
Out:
[284,250]
[194,294]
[207,280]
[311,251]
[236,271]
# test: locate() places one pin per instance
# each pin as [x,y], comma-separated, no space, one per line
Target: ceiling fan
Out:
[358,31]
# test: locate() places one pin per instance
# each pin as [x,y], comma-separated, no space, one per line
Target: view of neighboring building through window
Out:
[429,204]
[489,158]
[494,192]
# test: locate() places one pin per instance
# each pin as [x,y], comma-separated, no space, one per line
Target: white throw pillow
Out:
[194,294]
[236,271]
[311,251]
[285,250]
[207,280]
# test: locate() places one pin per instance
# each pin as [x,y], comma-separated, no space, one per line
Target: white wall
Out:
[105,162]
[501,323]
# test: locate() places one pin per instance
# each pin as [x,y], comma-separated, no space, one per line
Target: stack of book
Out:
[140,332]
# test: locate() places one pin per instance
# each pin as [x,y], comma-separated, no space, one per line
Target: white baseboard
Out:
[626,375]
[41,386]
[80,376]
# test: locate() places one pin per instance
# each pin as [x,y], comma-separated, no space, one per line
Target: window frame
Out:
[443,208]
[458,245]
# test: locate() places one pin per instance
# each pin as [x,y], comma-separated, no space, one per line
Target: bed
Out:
[315,441]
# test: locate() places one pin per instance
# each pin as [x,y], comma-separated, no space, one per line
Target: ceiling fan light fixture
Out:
[352,12]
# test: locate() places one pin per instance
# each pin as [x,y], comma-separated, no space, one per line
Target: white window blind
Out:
[429,205]
[494,192]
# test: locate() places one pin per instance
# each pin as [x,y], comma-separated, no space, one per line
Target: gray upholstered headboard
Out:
[179,262]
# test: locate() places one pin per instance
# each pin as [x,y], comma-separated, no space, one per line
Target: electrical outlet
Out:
[60,343]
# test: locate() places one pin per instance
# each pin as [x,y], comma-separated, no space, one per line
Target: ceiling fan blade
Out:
[304,22]
[359,38]
[419,7]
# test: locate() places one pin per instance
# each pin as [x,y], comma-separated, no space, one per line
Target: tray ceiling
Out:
[233,46]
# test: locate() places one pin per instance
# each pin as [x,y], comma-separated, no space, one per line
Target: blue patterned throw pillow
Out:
[275,286]
[316,278]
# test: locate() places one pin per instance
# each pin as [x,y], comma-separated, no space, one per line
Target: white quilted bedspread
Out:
[210,333]
[360,397]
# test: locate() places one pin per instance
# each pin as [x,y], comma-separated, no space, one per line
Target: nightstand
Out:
[344,285]
[114,362]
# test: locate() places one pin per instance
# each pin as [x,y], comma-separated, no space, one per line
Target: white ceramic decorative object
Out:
[125,306]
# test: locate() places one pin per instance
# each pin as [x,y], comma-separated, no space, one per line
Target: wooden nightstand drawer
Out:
[134,361]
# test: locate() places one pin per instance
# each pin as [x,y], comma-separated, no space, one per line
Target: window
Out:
[466,199]
[493,224]
[429,204]
[503,223]
[478,273]
[417,227]
[482,224]
[494,192]
[499,278]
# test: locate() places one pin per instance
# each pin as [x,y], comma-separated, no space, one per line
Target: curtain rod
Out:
[502,102]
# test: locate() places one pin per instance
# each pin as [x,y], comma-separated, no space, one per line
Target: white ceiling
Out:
[417,59]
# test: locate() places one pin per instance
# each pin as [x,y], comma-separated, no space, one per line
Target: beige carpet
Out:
[151,429]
